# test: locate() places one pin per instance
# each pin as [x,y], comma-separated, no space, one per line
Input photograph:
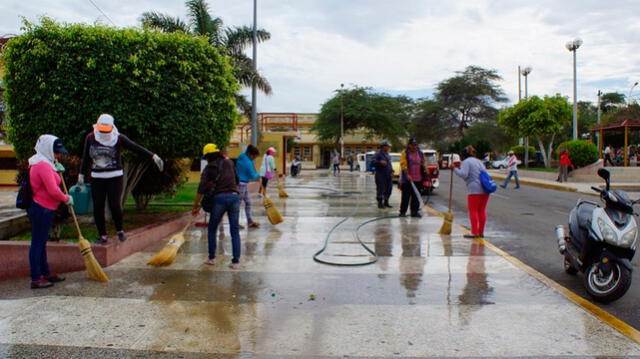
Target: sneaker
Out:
[254,225]
[517,187]
[234,265]
[54,278]
[416,215]
[210,261]
[121,236]
[240,226]
[103,240]
[503,186]
[402,215]
[469,236]
[40,283]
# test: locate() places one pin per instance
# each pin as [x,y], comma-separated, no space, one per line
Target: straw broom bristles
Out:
[272,213]
[281,192]
[168,253]
[448,217]
[94,270]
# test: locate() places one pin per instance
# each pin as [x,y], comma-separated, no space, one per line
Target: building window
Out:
[305,152]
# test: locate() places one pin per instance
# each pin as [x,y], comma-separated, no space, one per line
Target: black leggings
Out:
[111,189]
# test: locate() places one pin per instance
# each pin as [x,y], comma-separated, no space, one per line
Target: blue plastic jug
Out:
[82,203]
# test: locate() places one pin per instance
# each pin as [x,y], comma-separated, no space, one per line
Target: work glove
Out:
[69,201]
[80,180]
[59,167]
[158,162]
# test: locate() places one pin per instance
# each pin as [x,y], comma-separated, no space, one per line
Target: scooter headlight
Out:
[608,234]
[629,238]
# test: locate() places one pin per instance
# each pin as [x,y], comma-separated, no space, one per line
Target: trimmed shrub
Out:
[581,153]
[519,151]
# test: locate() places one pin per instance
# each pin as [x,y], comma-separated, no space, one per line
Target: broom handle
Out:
[73,213]
[450,189]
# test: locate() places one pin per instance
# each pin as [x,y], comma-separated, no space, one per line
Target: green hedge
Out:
[169,92]
[581,153]
[519,151]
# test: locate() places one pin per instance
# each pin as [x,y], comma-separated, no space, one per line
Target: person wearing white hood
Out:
[46,197]
[103,147]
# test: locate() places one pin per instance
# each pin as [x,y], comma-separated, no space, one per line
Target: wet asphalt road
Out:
[522,223]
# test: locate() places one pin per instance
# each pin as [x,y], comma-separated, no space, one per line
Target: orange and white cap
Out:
[105,123]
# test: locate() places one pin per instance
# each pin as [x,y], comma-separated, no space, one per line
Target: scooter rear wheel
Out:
[568,267]
[607,288]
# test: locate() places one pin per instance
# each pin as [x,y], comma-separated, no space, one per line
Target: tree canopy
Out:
[470,96]
[379,115]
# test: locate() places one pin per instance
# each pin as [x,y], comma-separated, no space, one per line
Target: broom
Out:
[448,217]
[168,253]
[94,270]
[272,213]
[281,192]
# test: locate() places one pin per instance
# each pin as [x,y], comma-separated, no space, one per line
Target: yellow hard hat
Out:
[210,148]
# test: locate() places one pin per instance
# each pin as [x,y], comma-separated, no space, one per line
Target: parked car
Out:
[503,163]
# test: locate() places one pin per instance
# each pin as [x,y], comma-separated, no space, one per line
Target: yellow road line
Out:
[598,312]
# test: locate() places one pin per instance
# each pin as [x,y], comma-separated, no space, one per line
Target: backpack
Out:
[207,199]
[488,184]
[25,196]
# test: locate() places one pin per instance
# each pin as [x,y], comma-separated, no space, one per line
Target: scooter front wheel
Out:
[606,288]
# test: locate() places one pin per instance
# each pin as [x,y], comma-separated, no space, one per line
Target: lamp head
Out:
[526,71]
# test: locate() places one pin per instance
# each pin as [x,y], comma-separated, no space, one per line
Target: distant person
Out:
[103,149]
[565,163]
[267,170]
[413,170]
[336,163]
[381,163]
[350,163]
[46,197]
[477,199]
[512,164]
[219,178]
[607,156]
[247,173]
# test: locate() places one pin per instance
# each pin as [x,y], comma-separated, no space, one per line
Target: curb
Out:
[558,187]
[65,257]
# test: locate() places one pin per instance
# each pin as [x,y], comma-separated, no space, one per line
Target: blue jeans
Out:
[512,173]
[41,221]
[229,203]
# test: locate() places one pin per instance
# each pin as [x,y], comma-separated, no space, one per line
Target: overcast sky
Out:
[402,46]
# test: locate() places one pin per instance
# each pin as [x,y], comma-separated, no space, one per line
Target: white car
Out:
[503,163]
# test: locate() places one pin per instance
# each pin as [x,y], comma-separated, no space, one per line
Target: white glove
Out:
[158,162]
[80,180]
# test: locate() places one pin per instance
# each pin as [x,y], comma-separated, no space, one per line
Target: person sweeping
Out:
[218,190]
[267,170]
[413,170]
[103,148]
[46,197]
[247,173]
[477,199]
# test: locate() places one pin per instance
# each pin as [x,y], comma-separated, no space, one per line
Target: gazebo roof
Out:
[621,125]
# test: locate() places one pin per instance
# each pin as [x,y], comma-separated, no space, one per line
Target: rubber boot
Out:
[386,203]
[380,204]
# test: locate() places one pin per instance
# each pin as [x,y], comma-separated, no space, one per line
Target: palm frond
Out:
[238,38]
[247,76]
[243,105]
[162,22]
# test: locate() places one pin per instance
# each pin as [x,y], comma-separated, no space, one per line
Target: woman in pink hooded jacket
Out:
[46,197]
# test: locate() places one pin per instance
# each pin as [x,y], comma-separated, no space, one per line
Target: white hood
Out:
[44,151]
[106,139]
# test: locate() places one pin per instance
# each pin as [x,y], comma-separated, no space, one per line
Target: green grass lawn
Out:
[184,194]
[540,169]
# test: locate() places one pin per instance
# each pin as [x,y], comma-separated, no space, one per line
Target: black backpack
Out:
[207,199]
[25,196]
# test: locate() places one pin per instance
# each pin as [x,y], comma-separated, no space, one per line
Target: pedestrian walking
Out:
[350,163]
[513,170]
[565,163]
[381,162]
[412,171]
[103,148]
[336,163]
[469,170]
[46,197]
[267,170]
[247,173]
[220,185]
[607,156]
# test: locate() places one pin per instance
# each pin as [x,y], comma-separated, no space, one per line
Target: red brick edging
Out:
[65,257]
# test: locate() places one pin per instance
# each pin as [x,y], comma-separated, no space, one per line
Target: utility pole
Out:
[573,47]
[525,72]
[341,123]
[598,121]
[254,113]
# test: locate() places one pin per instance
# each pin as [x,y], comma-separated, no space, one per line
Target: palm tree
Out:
[231,40]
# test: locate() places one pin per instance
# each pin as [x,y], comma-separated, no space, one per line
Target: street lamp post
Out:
[341,124]
[254,40]
[573,47]
[525,72]
[598,121]
[630,91]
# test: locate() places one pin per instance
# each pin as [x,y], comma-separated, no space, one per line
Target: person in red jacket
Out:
[565,163]
[46,196]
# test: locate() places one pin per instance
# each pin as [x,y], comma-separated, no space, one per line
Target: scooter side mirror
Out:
[605,175]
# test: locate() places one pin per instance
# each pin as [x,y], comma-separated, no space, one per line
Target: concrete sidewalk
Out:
[426,296]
